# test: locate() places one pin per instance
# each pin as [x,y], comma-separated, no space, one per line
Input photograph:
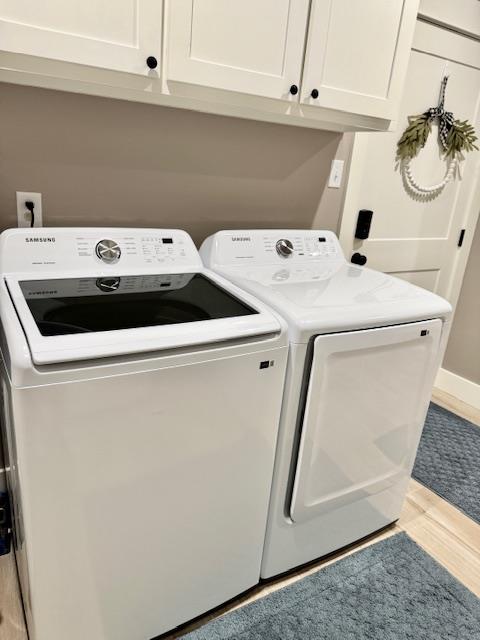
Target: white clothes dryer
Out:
[142,396]
[364,351]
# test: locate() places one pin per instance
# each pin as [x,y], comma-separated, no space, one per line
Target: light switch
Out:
[336,173]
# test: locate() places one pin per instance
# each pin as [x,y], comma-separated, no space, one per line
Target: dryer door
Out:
[365,407]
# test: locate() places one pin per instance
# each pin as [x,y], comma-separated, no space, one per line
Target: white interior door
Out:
[113,34]
[357,54]
[366,402]
[412,238]
[253,46]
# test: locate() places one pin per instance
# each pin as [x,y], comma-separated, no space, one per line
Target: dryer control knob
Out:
[284,248]
[108,251]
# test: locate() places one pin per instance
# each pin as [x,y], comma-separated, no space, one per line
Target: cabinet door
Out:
[113,34]
[357,55]
[252,46]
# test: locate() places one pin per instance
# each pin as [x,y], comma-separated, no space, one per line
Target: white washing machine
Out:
[142,399]
[364,350]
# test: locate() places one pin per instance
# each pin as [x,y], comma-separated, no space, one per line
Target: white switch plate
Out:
[336,173]
[24,217]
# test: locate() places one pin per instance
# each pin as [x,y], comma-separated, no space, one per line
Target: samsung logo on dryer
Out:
[241,239]
[39,239]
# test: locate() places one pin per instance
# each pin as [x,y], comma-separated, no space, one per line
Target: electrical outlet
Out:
[336,173]
[24,217]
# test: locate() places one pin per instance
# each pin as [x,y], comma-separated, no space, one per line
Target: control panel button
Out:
[284,248]
[108,251]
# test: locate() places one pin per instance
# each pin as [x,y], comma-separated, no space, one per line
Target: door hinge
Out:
[5,524]
[461,237]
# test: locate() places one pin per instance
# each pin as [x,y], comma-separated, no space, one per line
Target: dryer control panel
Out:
[103,249]
[258,247]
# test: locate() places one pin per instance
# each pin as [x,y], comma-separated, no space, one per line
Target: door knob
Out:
[314,94]
[294,89]
[152,62]
[358,258]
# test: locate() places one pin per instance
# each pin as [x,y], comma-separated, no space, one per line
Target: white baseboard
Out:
[461,388]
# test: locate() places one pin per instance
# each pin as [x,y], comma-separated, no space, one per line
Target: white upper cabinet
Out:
[259,59]
[110,34]
[248,46]
[357,55]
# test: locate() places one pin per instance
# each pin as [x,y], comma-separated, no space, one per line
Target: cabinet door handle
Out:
[294,89]
[152,62]
[314,94]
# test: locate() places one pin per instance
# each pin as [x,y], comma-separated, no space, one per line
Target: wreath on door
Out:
[456,137]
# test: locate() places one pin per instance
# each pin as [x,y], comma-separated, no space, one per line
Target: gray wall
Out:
[463,351]
[106,162]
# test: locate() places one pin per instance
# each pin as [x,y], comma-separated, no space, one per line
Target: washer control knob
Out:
[108,251]
[284,248]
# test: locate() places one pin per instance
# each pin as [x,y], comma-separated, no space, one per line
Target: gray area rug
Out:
[391,590]
[448,460]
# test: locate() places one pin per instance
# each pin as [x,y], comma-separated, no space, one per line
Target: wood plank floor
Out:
[443,531]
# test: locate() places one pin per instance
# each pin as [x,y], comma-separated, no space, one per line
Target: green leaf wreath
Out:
[455,136]
[460,137]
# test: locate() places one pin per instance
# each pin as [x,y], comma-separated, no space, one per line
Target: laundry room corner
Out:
[239,320]
[460,373]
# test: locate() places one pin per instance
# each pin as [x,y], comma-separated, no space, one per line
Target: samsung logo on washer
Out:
[241,239]
[39,239]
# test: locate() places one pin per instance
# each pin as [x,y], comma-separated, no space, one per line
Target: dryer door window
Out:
[365,407]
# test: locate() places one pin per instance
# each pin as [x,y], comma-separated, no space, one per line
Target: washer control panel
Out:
[257,247]
[150,248]
[108,249]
